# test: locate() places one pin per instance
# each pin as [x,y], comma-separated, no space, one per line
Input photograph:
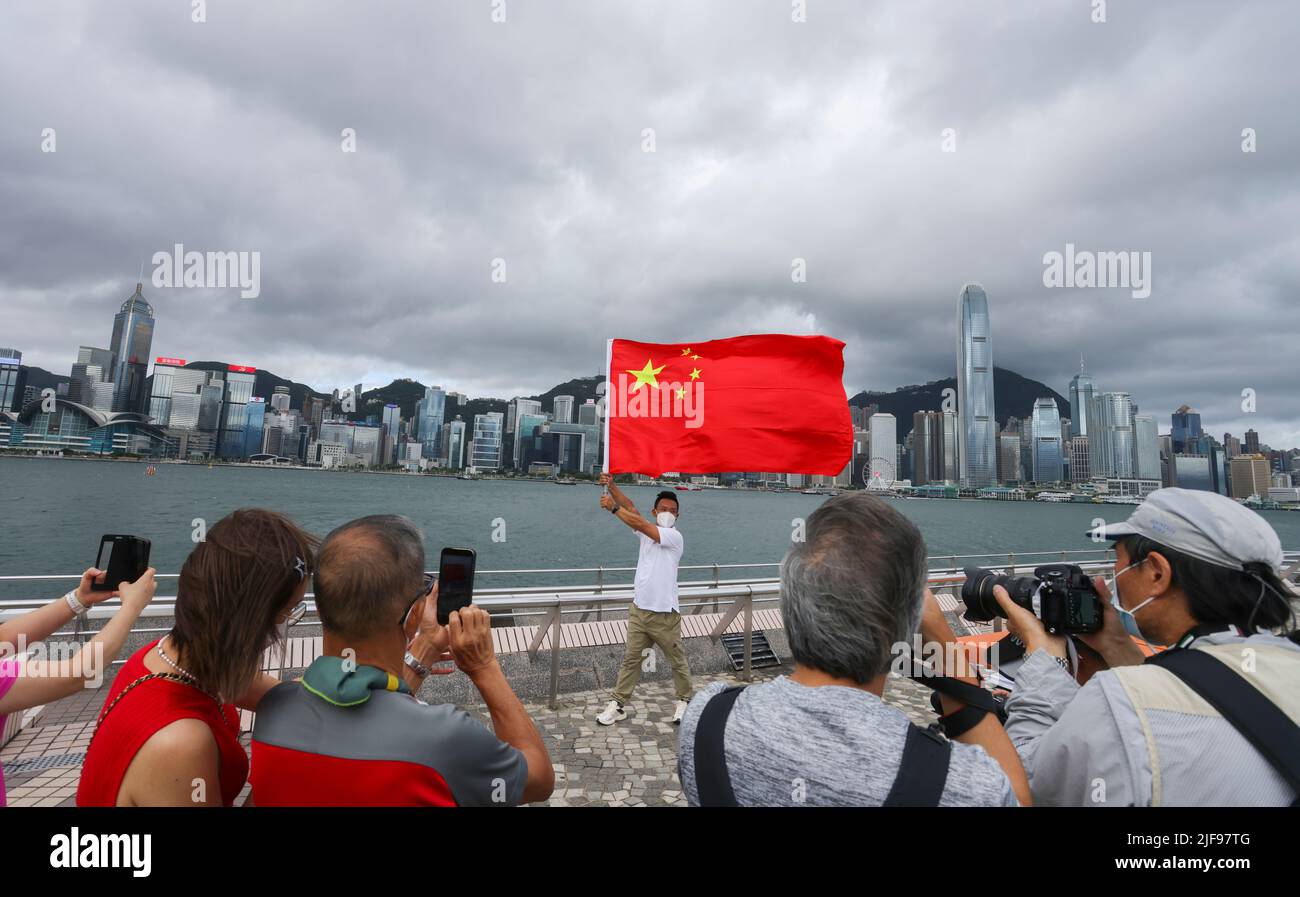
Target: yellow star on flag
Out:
[695,358]
[681,392]
[646,375]
[695,374]
[686,351]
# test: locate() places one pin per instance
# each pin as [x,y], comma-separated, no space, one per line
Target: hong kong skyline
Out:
[481,235]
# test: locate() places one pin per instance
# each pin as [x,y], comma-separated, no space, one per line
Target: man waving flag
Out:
[751,403]
[767,402]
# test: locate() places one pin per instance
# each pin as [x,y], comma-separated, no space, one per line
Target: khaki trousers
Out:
[644,630]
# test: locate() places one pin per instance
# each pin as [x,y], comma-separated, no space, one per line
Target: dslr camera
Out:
[1061,595]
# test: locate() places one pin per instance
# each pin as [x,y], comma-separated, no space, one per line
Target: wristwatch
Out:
[415,664]
[614,510]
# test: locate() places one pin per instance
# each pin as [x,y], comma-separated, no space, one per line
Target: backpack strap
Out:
[1257,719]
[923,771]
[712,781]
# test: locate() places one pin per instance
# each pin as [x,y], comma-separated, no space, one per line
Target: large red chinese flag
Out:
[769,403]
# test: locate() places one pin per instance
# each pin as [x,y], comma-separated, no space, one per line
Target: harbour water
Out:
[54,512]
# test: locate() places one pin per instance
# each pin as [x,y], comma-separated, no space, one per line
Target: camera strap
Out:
[922,769]
[970,695]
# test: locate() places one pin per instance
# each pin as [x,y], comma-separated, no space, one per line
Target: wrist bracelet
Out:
[419,668]
[614,510]
[74,604]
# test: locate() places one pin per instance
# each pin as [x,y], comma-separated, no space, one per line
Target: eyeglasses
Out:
[425,589]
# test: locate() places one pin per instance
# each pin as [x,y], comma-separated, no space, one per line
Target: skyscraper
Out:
[392,431]
[529,441]
[926,426]
[163,390]
[13,380]
[234,400]
[1252,443]
[1110,435]
[453,440]
[1185,430]
[1081,390]
[947,447]
[280,399]
[1250,475]
[521,407]
[429,418]
[132,341]
[487,441]
[92,368]
[884,451]
[977,426]
[1009,466]
[1080,462]
[1047,442]
[562,409]
[1146,447]
[254,426]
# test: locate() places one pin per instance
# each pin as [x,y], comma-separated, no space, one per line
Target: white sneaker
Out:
[612,713]
[678,712]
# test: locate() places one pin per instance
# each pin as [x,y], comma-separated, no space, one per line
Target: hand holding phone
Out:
[455,581]
[128,559]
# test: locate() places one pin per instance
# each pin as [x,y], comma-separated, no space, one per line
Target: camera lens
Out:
[977,593]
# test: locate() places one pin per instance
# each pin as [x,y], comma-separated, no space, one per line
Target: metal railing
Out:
[738,596]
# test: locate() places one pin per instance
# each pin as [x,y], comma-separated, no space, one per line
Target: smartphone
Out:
[455,581]
[128,558]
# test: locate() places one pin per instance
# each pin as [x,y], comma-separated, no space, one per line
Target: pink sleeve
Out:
[8,674]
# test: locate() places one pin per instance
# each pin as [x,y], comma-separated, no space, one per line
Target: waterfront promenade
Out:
[631,764]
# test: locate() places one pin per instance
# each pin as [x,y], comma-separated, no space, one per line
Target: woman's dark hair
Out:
[231,589]
[1220,595]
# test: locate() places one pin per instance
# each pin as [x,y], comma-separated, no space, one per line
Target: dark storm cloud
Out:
[774,141]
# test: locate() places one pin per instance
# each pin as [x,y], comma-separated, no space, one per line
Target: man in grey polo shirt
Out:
[1194,571]
[850,593]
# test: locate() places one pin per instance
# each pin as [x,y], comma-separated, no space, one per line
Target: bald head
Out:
[367,572]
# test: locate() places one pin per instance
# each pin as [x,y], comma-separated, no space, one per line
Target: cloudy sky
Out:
[773,140]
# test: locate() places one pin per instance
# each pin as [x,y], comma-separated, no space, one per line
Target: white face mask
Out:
[666,519]
[1127,616]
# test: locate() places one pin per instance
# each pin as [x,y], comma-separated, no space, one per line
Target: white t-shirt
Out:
[656,571]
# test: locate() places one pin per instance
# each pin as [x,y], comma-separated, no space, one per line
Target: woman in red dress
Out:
[168,733]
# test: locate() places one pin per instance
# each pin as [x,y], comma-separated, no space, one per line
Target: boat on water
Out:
[565,481]
[1054,496]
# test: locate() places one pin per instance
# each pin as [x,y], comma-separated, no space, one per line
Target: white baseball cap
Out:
[1204,525]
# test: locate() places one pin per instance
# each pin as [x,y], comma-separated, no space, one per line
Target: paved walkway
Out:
[632,763]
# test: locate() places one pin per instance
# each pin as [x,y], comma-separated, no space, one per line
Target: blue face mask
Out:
[1126,616]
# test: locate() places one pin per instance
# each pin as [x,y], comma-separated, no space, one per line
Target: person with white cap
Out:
[1211,720]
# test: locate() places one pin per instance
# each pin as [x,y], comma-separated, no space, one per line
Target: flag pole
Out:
[609,385]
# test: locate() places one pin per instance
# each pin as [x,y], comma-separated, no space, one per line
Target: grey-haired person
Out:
[853,596]
[1194,572]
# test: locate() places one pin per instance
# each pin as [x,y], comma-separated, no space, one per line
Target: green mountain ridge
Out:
[1013,395]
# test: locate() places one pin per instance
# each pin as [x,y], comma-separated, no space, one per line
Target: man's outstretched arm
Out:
[627,511]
